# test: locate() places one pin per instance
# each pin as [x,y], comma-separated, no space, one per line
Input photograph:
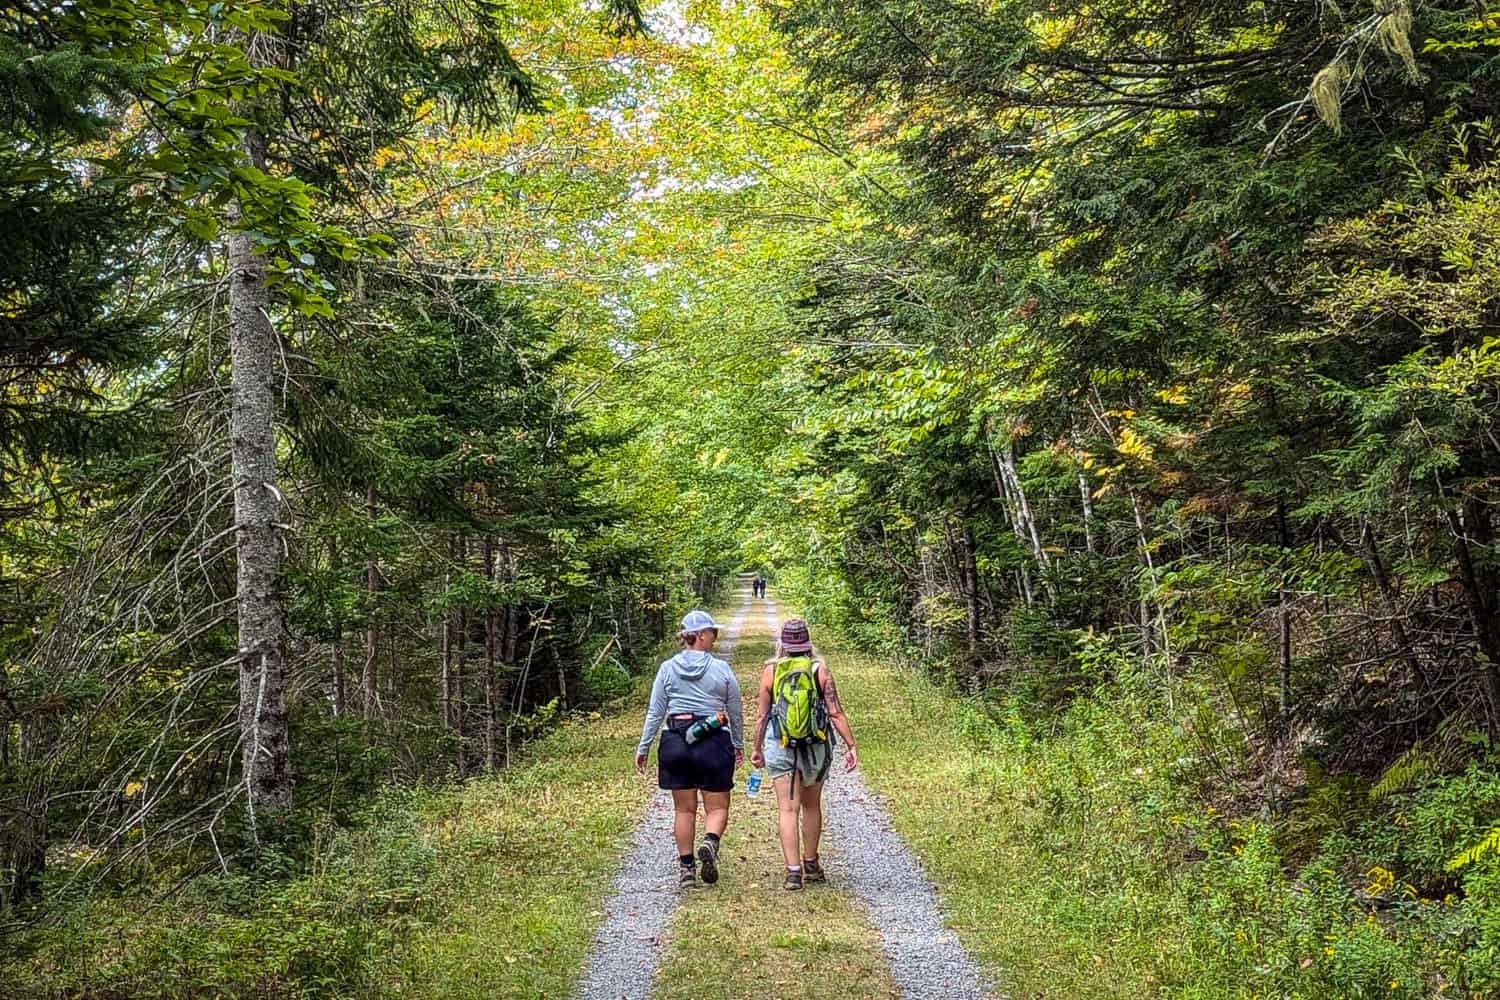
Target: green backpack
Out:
[798,712]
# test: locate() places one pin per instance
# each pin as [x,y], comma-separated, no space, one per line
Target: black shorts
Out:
[707,764]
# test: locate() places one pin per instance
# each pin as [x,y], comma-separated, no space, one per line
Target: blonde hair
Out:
[780,654]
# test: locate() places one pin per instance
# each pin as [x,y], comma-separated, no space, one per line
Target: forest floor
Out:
[875,930]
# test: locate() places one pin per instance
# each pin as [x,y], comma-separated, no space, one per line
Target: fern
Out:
[1489,844]
[1405,771]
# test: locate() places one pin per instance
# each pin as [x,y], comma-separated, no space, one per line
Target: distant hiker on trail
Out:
[758,586]
[697,695]
[800,704]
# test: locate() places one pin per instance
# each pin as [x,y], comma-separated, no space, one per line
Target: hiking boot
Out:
[793,881]
[687,877]
[708,858]
[813,872]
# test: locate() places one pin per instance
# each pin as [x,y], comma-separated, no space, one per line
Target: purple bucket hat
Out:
[794,637]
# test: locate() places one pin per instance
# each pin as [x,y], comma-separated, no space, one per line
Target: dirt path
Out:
[879,903]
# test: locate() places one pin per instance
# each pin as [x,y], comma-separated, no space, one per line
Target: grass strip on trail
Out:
[747,937]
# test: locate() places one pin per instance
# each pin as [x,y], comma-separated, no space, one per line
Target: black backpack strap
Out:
[822,708]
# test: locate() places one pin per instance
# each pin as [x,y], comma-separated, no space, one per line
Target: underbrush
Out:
[1081,855]
[486,889]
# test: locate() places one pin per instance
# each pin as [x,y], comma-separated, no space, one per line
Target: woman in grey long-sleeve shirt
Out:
[690,687]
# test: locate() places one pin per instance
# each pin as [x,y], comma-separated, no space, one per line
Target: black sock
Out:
[711,836]
[686,860]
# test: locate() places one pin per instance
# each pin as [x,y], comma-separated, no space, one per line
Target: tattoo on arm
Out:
[762,709]
[831,693]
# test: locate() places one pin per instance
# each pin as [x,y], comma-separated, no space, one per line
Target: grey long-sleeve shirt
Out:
[697,682]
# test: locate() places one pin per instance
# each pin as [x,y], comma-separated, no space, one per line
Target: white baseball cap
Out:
[697,621]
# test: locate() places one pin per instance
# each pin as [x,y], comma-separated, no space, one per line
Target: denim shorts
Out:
[811,761]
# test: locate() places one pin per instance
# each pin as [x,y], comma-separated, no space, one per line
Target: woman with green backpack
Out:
[799,704]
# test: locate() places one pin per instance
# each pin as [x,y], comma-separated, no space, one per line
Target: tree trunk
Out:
[1371,550]
[971,587]
[492,690]
[1151,638]
[456,678]
[1088,512]
[1481,617]
[1007,502]
[1283,620]
[340,677]
[340,671]
[1023,506]
[28,841]
[445,659]
[453,694]
[511,637]
[562,675]
[370,676]
[491,668]
[1024,524]
[926,591]
[264,740]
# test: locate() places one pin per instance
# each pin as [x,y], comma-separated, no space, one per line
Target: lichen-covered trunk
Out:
[1018,511]
[264,743]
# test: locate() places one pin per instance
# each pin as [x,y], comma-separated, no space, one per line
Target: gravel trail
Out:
[865,856]
[868,858]
[625,954]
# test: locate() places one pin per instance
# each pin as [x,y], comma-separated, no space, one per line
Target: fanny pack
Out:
[681,725]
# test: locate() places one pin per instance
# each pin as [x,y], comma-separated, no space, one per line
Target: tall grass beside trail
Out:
[491,889]
[1076,859]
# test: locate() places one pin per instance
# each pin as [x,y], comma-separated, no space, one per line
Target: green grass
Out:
[1068,852]
[1076,914]
[747,937]
[1078,857]
[489,889]
[533,855]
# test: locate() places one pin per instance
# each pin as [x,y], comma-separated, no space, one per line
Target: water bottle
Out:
[704,727]
[752,786]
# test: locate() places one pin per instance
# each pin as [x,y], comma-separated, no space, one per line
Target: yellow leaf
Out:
[132,789]
[1134,445]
